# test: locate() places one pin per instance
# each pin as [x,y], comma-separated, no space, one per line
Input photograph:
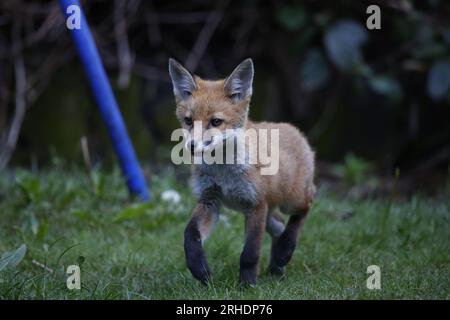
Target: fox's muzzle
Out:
[199,146]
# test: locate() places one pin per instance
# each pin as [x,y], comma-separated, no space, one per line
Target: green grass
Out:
[131,251]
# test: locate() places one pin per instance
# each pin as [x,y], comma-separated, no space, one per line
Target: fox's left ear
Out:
[238,85]
[183,82]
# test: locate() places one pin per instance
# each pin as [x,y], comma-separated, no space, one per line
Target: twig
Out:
[86,154]
[38,80]
[43,266]
[123,48]
[51,23]
[153,30]
[138,68]
[178,18]
[205,35]
[443,155]
[150,72]
[20,98]
[243,33]
[87,159]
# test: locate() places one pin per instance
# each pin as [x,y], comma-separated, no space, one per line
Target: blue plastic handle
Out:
[107,104]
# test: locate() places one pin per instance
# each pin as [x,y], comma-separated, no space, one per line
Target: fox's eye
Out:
[188,121]
[216,122]
[187,93]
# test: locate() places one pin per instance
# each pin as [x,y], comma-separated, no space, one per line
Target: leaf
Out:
[385,86]
[343,42]
[431,51]
[158,221]
[67,198]
[354,170]
[34,224]
[65,251]
[291,17]
[30,186]
[82,214]
[438,84]
[88,216]
[314,72]
[42,231]
[132,212]
[99,182]
[11,259]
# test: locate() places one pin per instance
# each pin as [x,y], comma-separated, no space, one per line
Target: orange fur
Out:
[291,189]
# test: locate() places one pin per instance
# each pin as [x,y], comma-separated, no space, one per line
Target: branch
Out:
[143,70]
[52,23]
[205,35]
[178,18]
[38,81]
[20,100]
[123,49]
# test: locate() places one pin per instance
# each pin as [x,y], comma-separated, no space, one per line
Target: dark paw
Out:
[283,253]
[276,271]
[201,272]
[248,277]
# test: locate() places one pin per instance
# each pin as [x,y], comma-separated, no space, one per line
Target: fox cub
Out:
[223,105]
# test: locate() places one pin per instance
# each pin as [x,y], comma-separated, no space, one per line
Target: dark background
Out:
[375,100]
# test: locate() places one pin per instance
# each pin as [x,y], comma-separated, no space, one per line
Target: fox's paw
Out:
[276,271]
[201,272]
[248,277]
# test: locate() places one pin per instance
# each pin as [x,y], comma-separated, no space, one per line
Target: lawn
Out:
[128,250]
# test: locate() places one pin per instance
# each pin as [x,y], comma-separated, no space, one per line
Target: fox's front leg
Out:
[204,217]
[255,224]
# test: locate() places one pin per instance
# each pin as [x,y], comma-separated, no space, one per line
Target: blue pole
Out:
[106,102]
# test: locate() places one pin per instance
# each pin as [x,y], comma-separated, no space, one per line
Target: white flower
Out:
[171,196]
[225,220]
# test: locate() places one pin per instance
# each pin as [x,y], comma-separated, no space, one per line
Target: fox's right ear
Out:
[182,80]
[238,85]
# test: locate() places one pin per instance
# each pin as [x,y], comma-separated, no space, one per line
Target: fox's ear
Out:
[238,85]
[182,80]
